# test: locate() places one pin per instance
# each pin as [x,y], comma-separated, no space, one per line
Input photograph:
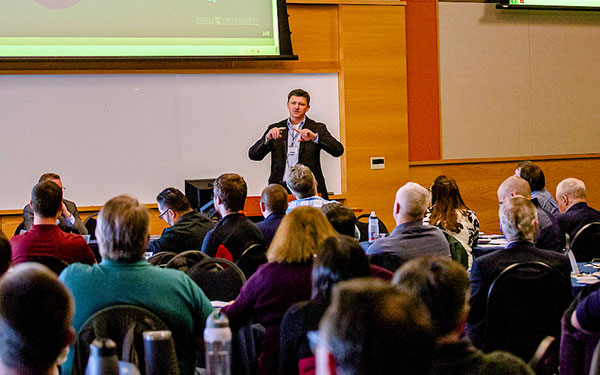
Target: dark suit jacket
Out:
[235,232]
[269,226]
[576,217]
[78,226]
[187,234]
[486,268]
[309,153]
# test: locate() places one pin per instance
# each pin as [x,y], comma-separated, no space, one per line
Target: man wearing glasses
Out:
[68,220]
[187,227]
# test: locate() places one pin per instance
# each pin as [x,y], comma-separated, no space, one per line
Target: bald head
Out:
[569,192]
[35,319]
[512,187]
[411,203]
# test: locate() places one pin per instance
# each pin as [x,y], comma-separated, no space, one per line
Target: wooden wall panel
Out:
[479,182]
[375,110]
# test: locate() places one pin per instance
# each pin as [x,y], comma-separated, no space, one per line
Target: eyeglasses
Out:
[163,214]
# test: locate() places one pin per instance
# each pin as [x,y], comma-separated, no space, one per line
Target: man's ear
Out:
[31,205]
[396,208]
[262,207]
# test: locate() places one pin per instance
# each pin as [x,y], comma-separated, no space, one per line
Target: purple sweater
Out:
[265,298]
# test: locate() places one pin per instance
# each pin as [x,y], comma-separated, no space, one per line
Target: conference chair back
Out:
[586,242]
[55,264]
[457,250]
[124,324]
[390,262]
[185,260]
[524,305]
[161,258]
[220,279]
[20,227]
[252,258]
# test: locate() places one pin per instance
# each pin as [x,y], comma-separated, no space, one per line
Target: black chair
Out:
[388,261]
[586,242]
[457,250]
[161,258]
[55,264]
[20,227]
[595,364]
[185,260]
[124,324]
[220,279]
[90,224]
[524,305]
[252,258]
[363,227]
[545,359]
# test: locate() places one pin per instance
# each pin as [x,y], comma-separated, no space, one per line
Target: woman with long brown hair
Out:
[450,213]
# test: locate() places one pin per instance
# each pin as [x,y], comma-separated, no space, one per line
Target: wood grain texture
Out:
[478,183]
[374,68]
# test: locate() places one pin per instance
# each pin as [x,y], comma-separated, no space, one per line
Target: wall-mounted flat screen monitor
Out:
[143,29]
[550,4]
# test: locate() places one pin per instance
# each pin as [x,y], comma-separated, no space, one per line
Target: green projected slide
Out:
[557,3]
[132,28]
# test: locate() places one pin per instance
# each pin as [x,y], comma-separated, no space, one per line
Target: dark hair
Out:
[371,327]
[534,175]
[232,190]
[49,176]
[301,181]
[524,164]
[446,199]
[5,253]
[338,258]
[442,284]
[46,199]
[35,318]
[301,93]
[342,218]
[173,199]
[274,196]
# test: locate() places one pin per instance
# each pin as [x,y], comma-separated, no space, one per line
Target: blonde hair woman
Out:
[283,281]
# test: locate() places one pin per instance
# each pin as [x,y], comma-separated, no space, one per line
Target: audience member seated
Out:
[582,330]
[575,213]
[372,328]
[548,235]
[283,281]
[5,254]
[410,238]
[125,277]
[338,259]
[449,212]
[303,185]
[273,203]
[45,238]
[187,227]
[518,218]
[234,233]
[343,220]
[534,175]
[443,285]
[35,321]
[68,220]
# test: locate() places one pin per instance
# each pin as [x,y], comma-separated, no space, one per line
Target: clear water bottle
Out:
[373,227]
[217,338]
[103,358]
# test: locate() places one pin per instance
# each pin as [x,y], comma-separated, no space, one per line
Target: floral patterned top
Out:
[468,233]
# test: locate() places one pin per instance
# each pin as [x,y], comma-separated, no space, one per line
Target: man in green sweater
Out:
[125,277]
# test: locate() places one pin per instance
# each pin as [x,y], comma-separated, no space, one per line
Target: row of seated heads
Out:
[370,327]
